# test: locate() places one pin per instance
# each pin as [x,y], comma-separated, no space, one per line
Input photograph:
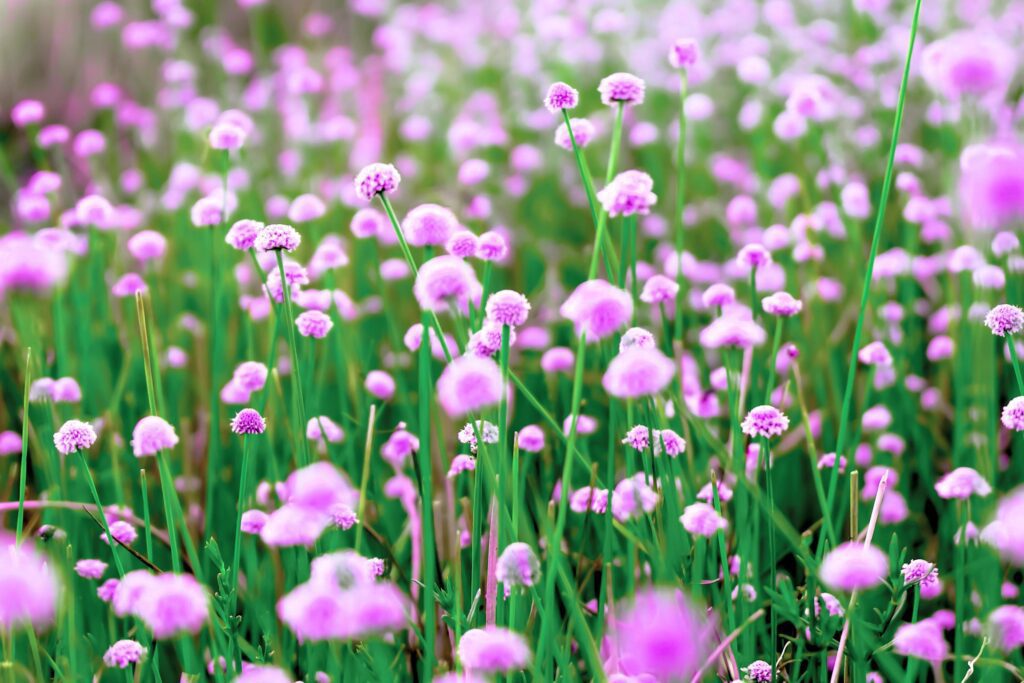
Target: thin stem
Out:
[102,515]
[298,401]
[424,392]
[1016,363]
[23,468]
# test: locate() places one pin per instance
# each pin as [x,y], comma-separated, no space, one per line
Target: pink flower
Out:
[468,384]
[853,566]
[597,309]
[702,519]
[962,483]
[638,372]
[493,650]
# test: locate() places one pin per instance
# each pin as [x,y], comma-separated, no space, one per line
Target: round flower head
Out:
[918,571]
[468,384]
[507,307]
[251,375]
[253,521]
[74,436]
[629,193]
[226,136]
[173,604]
[367,223]
[962,483]
[561,96]
[1013,414]
[123,654]
[597,309]
[314,324]
[151,435]
[659,289]
[28,586]
[702,519]
[732,330]
[242,235]
[854,566]
[659,633]
[443,280]
[583,132]
[380,384]
[967,63]
[264,673]
[334,433]
[277,236]
[781,304]
[517,567]
[683,53]
[147,245]
[248,421]
[90,569]
[27,113]
[462,243]
[766,421]
[306,207]
[621,87]
[638,372]
[377,179]
[759,671]
[753,256]
[923,639]
[718,295]
[493,650]
[461,463]
[1005,627]
[491,246]
[875,353]
[531,439]
[637,337]
[1005,319]
[122,531]
[429,224]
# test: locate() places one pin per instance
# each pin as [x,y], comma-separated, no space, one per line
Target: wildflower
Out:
[922,639]
[314,324]
[28,585]
[759,671]
[968,64]
[122,531]
[1005,532]
[172,604]
[659,632]
[1013,414]
[380,385]
[462,243]
[561,96]
[781,304]
[919,571]
[632,497]
[90,569]
[639,437]
[147,245]
[962,483]
[306,207]
[853,566]
[659,289]
[765,421]
[248,421]
[491,246]
[628,193]
[702,519]
[531,439]
[753,256]
[376,179]
[123,654]
[27,113]
[253,521]
[74,436]
[672,443]
[446,280]
[637,338]
[251,375]
[638,372]
[461,463]
[597,309]
[151,435]
[507,307]
[399,446]
[107,590]
[493,650]
[732,330]
[583,132]
[875,353]
[226,136]
[622,88]
[344,517]
[1005,319]
[718,295]
[318,427]
[429,224]
[263,673]
[683,53]
[468,384]
[277,237]
[1005,627]
[368,223]
[517,567]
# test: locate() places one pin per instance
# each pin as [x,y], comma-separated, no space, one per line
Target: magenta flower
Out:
[29,589]
[597,309]
[683,53]
[759,671]
[445,280]
[621,87]
[493,650]
[226,136]
[583,132]
[781,304]
[74,436]
[377,179]
[248,421]
[123,654]
[638,372]
[1013,414]
[173,604]
[151,435]
[1005,319]
[429,224]
[507,307]
[1005,627]
[853,566]
[962,483]
[659,289]
[923,639]
[732,330]
[702,519]
[90,569]
[314,324]
[468,384]
[561,96]
[277,237]
[765,421]
[531,439]
[629,193]
[517,567]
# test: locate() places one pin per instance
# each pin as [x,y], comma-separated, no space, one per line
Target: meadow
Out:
[473,342]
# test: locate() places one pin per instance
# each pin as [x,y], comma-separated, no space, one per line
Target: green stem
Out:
[103,517]
[680,204]
[1016,364]
[298,401]
[23,468]
[425,395]
[236,551]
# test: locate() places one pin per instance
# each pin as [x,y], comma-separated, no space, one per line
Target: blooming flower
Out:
[660,633]
[597,309]
[123,654]
[74,436]
[314,324]
[922,639]
[248,421]
[277,237]
[151,435]
[854,566]
[628,193]
[765,421]
[962,483]
[638,372]
[561,96]
[622,88]
[493,650]
[377,179]
[702,519]
[468,384]
[507,307]
[517,567]
[1005,319]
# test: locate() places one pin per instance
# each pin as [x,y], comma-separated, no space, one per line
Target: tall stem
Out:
[23,468]
[236,551]
[298,400]
[425,395]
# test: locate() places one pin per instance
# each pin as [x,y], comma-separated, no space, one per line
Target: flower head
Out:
[583,132]
[1005,319]
[429,224]
[74,436]
[628,193]
[702,519]
[123,654]
[759,671]
[468,384]
[621,87]
[923,639]
[638,372]
[1013,414]
[962,483]
[314,324]
[377,179]
[766,421]
[597,309]
[493,650]
[445,280]
[151,435]
[277,237]
[517,567]
[248,421]
[561,96]
[683,53]
[781,304]
[853,566]
[507,307]
[172,604]
[29,589]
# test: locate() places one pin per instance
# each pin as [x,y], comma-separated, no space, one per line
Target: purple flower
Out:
[226,136]
[638,437]
[429,224]
[875,353]
[766,421]
[517,567]
[493,650]
[123,654]
[461,463]
[172,604]
[597,309]
[74,436]
[629,193]
[1006,532]
[277,237]
[781,304]
[659,289]
[561,96]
[732,330]
[462,243]
[759,671]
[962,483]
[242,235]
[923,640]
[638,372]
[248,421]
[621,87]
[507,307]
[702,519]
[1013,414]
[90,569]
[468,384]
[919,571]
[660,633]
[253,521]
[854,566]
[531,439]
[683,53]
[446,279]
[314,324]
[151,435]
[1005,319]
[583,132]
[1005,627]
[377,179]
